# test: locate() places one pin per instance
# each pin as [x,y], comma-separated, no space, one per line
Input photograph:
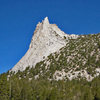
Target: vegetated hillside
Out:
[72,73]
[80,58]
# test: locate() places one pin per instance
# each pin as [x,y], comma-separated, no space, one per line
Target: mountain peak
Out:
[45,23]
[47,39]
[46,20]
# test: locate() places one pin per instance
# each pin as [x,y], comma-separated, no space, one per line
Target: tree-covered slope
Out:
[80,58]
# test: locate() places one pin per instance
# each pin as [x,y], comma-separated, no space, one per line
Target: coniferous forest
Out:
[18,88]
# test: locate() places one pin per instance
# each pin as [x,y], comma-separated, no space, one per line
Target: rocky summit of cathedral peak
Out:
[47,39]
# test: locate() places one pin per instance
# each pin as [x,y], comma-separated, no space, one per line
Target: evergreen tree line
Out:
[16,88]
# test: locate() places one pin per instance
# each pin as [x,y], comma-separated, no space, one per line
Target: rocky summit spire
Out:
[47,39]
[45,23]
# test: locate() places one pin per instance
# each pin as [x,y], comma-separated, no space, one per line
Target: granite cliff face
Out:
[47,39]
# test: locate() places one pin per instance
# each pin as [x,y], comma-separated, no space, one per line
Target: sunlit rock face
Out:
[47,39]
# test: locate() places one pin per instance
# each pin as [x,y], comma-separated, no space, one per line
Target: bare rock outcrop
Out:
[47,39]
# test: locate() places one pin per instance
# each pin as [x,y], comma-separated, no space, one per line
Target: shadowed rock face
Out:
[47,39]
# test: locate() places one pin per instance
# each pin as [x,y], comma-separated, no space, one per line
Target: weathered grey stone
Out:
[47,39]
